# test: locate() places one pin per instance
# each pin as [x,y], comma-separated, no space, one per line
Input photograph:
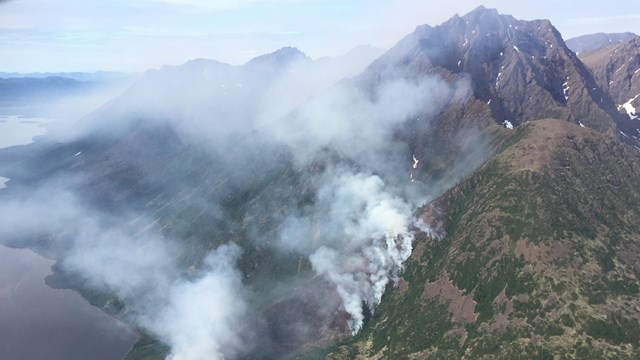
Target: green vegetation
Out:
[535,239]
[617,329]
[147,348]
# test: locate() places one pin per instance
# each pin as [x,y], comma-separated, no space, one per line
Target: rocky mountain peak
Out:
[280,58]
[483,14]
[522,70]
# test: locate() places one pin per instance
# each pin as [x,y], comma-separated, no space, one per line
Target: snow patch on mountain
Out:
[629,108]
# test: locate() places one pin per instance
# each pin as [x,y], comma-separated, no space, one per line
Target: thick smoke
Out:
[359,239]
[359,123]
[355,231]
[201,319]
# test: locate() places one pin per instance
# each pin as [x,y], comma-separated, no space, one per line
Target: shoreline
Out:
[42,306]
[20,130]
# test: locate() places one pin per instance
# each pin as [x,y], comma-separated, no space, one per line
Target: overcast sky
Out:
[134,35]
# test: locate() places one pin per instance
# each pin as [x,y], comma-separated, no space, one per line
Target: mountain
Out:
[592,42]
[280,58]
[617,70]
[536,256]
[480,156]
[497,277]
[522,70]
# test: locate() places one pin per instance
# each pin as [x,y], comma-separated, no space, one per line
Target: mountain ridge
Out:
[592,42]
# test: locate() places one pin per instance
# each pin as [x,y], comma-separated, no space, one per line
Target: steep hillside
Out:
[536,254]
[617,70]
[591,42]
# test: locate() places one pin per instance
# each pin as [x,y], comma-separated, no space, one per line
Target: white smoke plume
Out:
[359,124]
[200,320]
[357,233]
[366,240]
[199,317]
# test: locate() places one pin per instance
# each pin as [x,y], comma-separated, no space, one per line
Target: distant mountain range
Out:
[21,93]
[22,90]
[522,149]
[79,76]
[591,42]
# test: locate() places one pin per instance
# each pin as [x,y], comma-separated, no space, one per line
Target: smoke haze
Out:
[347,221]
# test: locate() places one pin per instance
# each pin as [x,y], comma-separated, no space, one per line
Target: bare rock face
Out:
[616,68]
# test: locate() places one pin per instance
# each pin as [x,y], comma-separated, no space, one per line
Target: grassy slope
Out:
[540,259]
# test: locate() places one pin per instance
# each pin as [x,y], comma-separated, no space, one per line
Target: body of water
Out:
[39,322]
[18,130]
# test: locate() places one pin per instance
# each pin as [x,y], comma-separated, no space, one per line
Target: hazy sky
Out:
[134,35]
